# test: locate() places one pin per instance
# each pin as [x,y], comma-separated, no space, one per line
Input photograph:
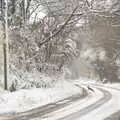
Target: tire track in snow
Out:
[40,111]
[49,108]
[106,97]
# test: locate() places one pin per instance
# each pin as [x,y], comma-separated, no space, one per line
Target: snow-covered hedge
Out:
[22,80]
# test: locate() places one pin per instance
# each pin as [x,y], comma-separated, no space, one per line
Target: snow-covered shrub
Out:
[23,80]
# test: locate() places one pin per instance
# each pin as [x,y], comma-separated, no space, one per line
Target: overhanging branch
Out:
[62,27]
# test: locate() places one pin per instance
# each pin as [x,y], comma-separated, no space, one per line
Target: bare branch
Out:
[63,26]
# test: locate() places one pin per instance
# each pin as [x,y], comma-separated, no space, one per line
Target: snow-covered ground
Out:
[23,100]
[74,107]
[107,109]
[95,81]
[114,85]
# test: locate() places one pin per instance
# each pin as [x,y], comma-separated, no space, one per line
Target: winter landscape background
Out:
[51,48]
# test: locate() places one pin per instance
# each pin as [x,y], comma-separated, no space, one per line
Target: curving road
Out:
[40,111]
[77,114]
[106,97]
[76,107]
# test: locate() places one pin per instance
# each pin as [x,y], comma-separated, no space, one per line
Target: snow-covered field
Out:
[24,100]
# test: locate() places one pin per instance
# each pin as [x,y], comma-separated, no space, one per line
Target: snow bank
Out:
[24,100]
[114,85]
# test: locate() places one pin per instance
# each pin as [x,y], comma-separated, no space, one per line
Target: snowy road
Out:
[40,111]
[83,107]
[107,96]
[97,105]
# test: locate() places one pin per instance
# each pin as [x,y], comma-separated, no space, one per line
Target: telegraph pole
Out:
[5,48]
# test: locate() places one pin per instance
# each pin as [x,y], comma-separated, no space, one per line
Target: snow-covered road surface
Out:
[106,110]
[77,110]
[97,105]
[89,108]
[40,111]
